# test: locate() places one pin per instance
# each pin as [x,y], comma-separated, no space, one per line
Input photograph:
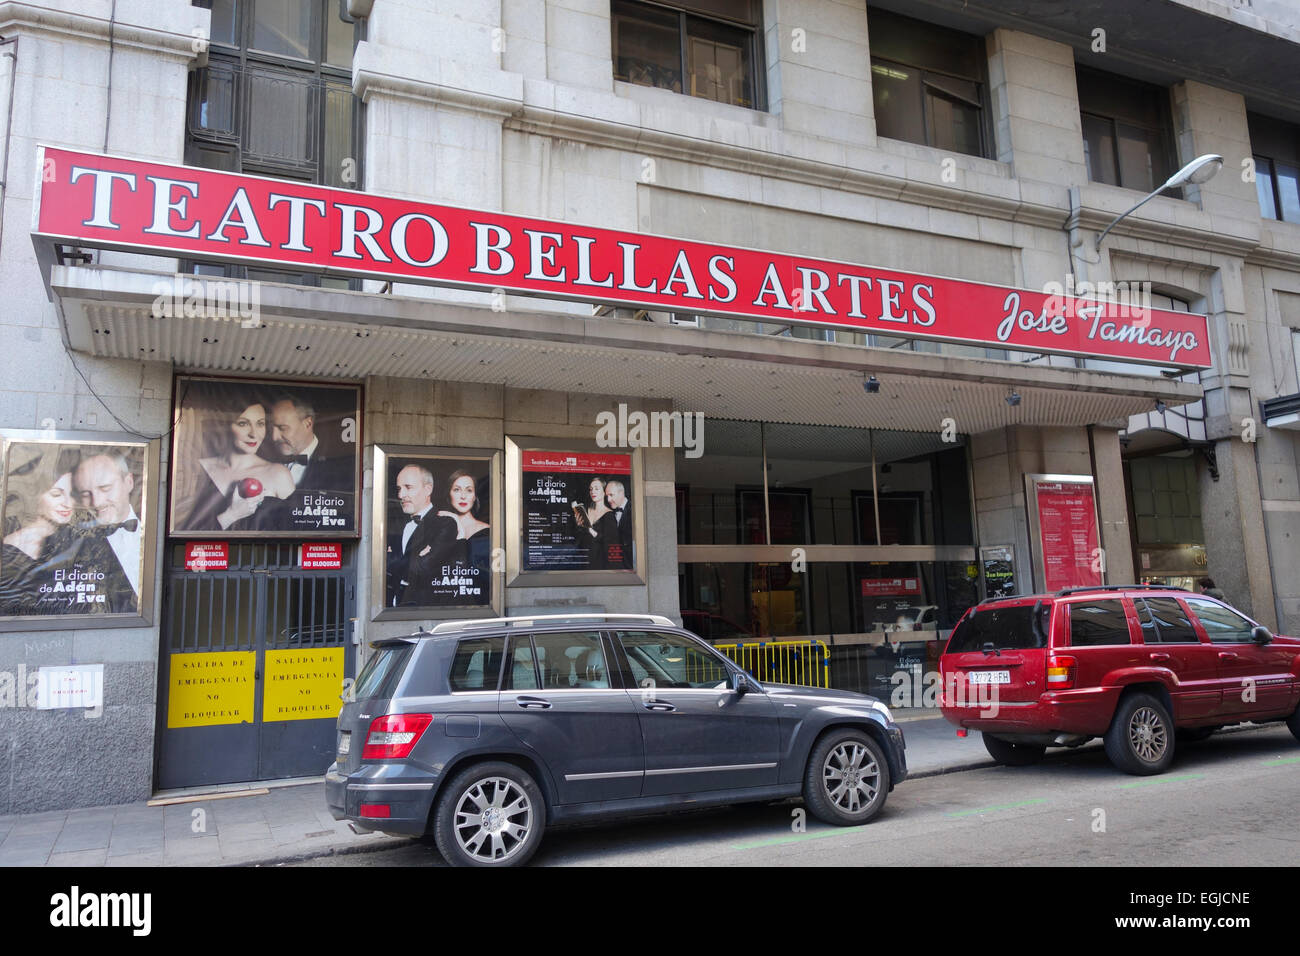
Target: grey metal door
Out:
[252,662]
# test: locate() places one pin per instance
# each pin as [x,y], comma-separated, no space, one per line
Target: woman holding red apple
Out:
[239,480]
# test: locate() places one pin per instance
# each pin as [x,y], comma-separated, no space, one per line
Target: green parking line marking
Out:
[1155,780]
[799,838]
[1281,760]
[1005,806]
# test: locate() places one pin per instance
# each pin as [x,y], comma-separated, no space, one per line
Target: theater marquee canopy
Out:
[110,202]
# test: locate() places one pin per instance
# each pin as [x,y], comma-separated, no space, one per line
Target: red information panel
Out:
[1067,523]
[207,555]
[890,587]
[320,557]
[116,203]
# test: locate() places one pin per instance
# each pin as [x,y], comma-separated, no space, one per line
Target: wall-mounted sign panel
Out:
[211,688]
[1064,531]
[110,202]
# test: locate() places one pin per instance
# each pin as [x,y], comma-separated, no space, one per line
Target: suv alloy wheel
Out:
[1141,737]
[490,814]
[847,779]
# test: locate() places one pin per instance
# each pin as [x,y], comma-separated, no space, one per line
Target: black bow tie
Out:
[415,519]
[104,530]
[618,511]
[299,460]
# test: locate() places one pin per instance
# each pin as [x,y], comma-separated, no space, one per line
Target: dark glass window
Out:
[1094,623]
[1223,625]
[521,671]
[1163,622]
[571,660]
[477,664]
[1006,628]
[380,675]
[706,48]
[666,660]
[276,99]
[1277,167]
[1127,130]
[928,83]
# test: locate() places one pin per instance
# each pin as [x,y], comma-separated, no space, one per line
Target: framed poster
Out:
[1063,530]
[574,513]
[436,526]
[79,539]
[998,565]
[265,459]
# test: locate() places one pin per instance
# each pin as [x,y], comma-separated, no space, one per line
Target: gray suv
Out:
[482,733]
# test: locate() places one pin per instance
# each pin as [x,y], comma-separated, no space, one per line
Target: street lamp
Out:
[1198,171]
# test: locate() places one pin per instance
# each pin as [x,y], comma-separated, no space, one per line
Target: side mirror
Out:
[1261,635]
[741,684]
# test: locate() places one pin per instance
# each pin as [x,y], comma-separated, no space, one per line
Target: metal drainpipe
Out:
[11,55]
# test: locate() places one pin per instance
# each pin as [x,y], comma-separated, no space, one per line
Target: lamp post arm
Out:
[1116,221]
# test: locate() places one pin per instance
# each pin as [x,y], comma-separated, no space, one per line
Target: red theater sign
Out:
[116,203]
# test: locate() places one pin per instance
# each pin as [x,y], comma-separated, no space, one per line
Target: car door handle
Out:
[1227,656]
[533,702]
[659,705]
[1160,657]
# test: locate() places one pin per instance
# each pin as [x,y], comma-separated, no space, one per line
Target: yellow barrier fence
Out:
[807,663]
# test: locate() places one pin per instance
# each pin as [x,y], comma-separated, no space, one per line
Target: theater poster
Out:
[1064,531]
[79,538]
[265,459]
[577,514]
[436,533]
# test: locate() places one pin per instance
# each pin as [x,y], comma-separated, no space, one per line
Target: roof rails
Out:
[531,619]
[1121,587]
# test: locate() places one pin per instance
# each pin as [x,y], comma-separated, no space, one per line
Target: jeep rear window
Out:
[1006,628]
[379,677]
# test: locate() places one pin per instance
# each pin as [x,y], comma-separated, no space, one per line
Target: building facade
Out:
[797,477]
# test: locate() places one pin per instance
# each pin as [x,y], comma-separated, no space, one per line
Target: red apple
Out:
[250,488]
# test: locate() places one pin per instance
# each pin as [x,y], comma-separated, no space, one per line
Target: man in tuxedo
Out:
[614,529]
[293,429]
[415,547]
[103,484]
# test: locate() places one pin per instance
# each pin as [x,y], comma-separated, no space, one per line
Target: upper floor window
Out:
[707,48]
[1276,146]
[276,96]
[1127,130]
[928,83]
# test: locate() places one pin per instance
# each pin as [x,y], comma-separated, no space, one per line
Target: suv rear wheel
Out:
[490,814]
[1141,736]
[1012,754]
[847,779]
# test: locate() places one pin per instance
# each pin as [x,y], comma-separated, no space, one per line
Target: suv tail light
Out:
[1061,672]
[393,736]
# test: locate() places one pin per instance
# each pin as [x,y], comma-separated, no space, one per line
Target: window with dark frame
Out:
[704,48]
[1276,147]
[1127,130]
[275,99]
[929,84]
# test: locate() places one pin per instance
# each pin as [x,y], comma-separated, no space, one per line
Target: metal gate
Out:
[252,666]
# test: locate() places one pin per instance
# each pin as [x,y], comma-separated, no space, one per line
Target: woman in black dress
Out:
[238,487]
[41,499]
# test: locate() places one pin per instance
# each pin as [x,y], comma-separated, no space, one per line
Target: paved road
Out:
[1229,801]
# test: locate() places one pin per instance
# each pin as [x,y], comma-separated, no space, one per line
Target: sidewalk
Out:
[277,822]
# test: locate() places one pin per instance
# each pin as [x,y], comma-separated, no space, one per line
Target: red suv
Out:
[1136,666]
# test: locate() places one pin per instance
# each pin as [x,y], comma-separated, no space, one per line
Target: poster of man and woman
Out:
[75,535]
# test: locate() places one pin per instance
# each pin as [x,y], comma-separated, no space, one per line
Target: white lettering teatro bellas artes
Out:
[110,202]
